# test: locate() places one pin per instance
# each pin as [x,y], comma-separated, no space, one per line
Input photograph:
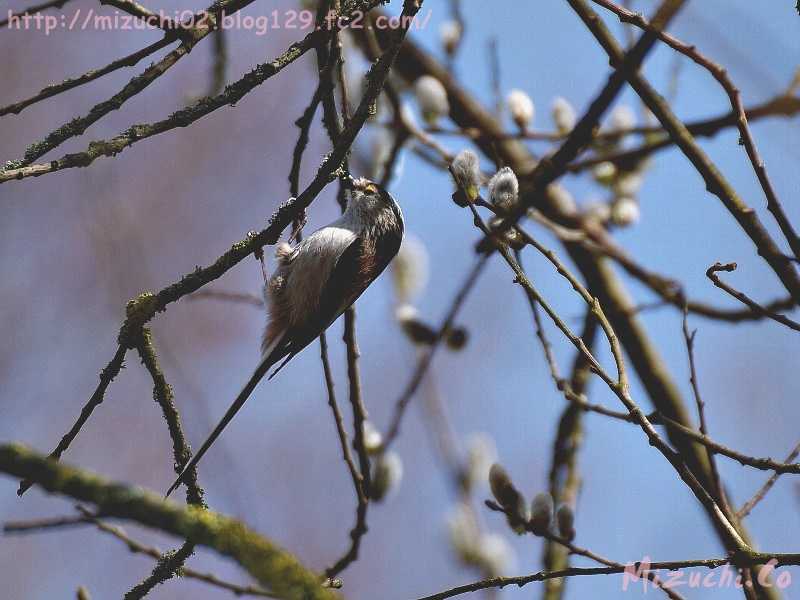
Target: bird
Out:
[315,281]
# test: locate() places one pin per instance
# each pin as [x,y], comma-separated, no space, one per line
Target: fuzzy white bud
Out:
[481,454]
[387,476]
[622,118]
[464,533]
[432,98]
[372,438]
[597,210]
[508,497]
[410,268]
[625,212]
[628,183]
[541,513]
[561,200]
[521,108]
[497,555]
[563,115]
[466,171]
[500,483]
[604,173]
[504,188]
[565,519]
[405,312]
[450,35]
[382,143]
[407,114]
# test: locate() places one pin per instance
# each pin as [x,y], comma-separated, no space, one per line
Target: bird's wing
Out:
[357,267]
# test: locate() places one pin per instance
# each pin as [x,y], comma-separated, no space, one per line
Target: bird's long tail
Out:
[272,356]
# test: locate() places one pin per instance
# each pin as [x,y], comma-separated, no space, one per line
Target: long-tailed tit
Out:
[316,281]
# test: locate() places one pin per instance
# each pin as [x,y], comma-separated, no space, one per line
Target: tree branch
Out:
[273,567]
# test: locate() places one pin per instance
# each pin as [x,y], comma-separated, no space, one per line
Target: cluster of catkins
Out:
[622,208]
[488,552]
[503,190]
[536,519]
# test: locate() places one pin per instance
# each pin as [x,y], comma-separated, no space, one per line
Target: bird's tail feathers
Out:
[283,364]
[275,352]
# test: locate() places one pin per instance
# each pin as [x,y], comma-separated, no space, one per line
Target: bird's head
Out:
[372,201]
[364,185]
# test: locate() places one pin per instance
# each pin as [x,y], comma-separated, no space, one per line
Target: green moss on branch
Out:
[272,566]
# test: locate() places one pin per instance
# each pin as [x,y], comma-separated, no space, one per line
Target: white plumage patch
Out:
[315,257]
[284,252]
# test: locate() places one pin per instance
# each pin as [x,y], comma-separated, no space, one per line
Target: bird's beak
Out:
[362,184]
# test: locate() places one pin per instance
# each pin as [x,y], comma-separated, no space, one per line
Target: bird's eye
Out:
[371,188]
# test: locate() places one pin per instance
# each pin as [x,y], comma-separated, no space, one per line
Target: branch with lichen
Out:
[32,10]
[169,564]
[182,118]
[144,307]
[273,567]
[87,517]
[57,88]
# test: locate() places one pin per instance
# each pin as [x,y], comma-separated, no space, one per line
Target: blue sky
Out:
[75,246]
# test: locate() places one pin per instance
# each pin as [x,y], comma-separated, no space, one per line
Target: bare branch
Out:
[735,97]
[711,273]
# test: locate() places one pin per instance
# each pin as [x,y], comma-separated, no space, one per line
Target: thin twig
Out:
[620,385]
[220,64]
[361,480]
[78,126]
[426,357]
[711,273]
[751,559]
[689,338]
[224,296]
[564,478]
[585,552]
[748,506]
[338,419]
[182,118]
[68,84]
[144,307]
[87,517]
[32,10]
[328,62]
[760,463]
[163,395]
[494,71]
[273,567]
[168,566]
[107,375]
[36,525]
[715,182]
[735,97]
